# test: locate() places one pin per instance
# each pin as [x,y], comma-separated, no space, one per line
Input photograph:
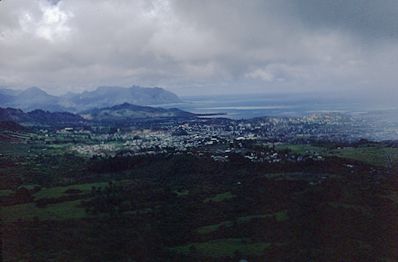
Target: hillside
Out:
[39,117]
[11,126]
[128,112]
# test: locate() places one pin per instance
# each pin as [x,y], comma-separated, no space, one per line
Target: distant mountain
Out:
[9,92]
[5,99]
[40,117]
[110,96]
[29,99]
[129,112]
[126,113]
[7,95]
[35,98]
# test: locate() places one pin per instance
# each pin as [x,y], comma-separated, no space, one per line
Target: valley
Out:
[191,188]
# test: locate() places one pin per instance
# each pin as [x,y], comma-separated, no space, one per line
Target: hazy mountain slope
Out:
[110,96]
[30,99]
[35,98]
[5,99]
[127,112]
[119,113]
[9,92]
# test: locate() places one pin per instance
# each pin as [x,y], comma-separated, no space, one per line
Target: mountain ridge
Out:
[104,96]
[129,112]
[125,112]
[39,117]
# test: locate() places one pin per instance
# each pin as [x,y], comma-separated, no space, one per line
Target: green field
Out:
[377,156]
[279,216]
[54,192]
[224,247]
[29,211]
[302,149]
[5,192]
[20,149]
[59,211]
[374,155]
[12,150]
[220,197]
[183,192]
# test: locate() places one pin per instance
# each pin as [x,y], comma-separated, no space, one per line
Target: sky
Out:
[202,47]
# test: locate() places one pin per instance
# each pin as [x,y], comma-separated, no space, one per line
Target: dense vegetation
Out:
[187,207]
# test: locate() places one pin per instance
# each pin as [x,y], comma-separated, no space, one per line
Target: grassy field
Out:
[211,228]
[17,149]
[29,211]
[183,192]
[348,206]
[59,211]
[54,192]
[374,155]
[279,216]
[220,197]
[377,156]
[5,192]
[24,150]
[225,247]
[301,148]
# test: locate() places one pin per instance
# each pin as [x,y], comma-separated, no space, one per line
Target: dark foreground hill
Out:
[39,117]
[11,126]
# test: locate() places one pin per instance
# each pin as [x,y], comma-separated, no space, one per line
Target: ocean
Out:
[382,118]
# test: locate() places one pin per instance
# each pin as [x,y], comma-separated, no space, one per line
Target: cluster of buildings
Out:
[219,137]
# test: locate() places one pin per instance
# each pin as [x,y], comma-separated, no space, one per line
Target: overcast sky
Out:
[201,47]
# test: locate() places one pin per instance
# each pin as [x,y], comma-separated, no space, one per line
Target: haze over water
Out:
[381,119]
[250,106]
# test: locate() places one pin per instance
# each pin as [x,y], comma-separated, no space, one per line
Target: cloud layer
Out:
[196,47]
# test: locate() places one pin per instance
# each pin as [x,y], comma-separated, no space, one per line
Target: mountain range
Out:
[34,98]
[127,113]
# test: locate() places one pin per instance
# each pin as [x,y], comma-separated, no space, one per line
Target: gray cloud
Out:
[196,47]
[365,18]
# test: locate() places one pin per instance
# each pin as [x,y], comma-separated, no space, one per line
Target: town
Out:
[217,136]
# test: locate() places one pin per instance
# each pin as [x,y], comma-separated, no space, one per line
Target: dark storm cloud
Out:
[365,18]
[54,2]
[200,46]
